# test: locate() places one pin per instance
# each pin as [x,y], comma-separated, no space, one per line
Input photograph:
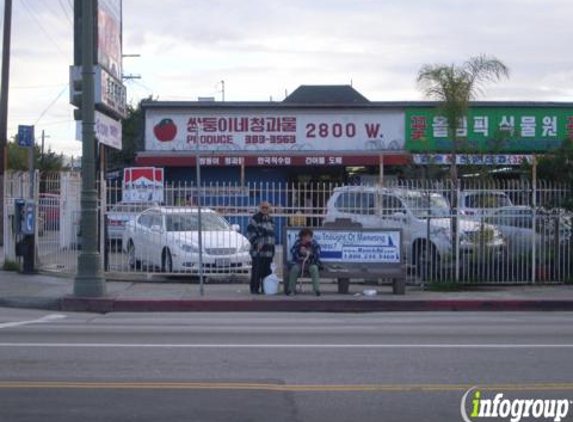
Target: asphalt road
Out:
[275,367]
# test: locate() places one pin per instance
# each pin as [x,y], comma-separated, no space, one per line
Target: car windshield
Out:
[189,222]
[487,200]
[423,205]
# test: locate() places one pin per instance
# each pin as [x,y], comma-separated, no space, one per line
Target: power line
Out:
[51,104]
[37,86]
[65,12]
[29,10]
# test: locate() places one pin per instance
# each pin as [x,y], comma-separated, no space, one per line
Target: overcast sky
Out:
[264,48]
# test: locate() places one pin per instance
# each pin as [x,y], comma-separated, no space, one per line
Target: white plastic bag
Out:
[271,282]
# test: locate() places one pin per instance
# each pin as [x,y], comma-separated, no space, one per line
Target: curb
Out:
[47,304]
[106,305]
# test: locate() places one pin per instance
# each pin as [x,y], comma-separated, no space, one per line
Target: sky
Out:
[265,49]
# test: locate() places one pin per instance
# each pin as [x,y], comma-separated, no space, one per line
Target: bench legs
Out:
[399,286]
[343,284]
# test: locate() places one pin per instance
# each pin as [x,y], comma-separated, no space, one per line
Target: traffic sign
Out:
[25,136]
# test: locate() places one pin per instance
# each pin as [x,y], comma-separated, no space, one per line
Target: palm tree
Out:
[455,86]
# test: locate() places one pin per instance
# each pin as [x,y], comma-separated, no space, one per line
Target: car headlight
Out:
[245,248]
[485,235]
[187,247]
[469,237]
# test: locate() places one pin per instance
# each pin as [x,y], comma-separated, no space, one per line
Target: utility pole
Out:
[42,151]
[89,281]
[4,87]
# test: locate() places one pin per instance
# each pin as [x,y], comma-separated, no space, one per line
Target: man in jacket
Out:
[305,254]
[261,234]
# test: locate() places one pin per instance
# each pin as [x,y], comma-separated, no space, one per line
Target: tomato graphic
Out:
[165,130]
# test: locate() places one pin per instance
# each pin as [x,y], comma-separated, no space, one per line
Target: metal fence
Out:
[497,232]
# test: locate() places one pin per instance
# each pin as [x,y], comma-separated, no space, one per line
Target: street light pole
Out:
[199,219]
[89,281]
[4,86]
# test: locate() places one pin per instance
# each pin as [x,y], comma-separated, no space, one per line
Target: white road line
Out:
[47,318]
[290,346]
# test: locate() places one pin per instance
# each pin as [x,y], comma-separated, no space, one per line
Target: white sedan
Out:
[167,237]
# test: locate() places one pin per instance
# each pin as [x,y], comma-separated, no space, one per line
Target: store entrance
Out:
[309,191]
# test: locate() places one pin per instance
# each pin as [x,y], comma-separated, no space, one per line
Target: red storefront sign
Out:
[180,160]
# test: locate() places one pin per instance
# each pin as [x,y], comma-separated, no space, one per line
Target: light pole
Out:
[89,281]
[199,222]
[4,86]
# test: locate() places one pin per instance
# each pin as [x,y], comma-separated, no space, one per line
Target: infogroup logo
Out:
[513,410]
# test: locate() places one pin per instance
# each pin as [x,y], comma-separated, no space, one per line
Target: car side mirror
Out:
[156,228]
[236,227]
[400,216]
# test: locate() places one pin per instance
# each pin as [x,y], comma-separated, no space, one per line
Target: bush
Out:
[11,266]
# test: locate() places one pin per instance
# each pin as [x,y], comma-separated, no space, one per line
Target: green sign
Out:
[490,129]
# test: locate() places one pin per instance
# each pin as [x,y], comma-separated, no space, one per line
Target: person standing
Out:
[305,254]
[261,234]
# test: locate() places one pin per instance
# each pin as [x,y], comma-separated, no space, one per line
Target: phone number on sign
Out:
[386,256]
[272,139]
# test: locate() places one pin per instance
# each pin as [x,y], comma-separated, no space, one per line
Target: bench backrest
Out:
[354,248]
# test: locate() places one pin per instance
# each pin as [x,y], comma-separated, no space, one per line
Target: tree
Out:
[557,167]
[132,139]
[48,162]
[455,86]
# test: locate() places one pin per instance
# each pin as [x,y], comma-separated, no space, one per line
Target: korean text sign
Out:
[486,129]
[274,130]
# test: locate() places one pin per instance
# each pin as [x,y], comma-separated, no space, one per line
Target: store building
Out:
[334,134]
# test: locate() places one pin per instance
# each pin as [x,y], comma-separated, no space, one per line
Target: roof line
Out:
[371,105]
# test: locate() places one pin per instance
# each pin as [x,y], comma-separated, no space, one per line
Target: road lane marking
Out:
[282,387]
[287,346]
[44,319]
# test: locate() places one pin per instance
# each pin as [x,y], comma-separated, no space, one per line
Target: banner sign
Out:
[110,93]
[142,184]
[178,159]
[109,36]
[476,160]
[274,130]
[375,246]
[107,131]
[488,129]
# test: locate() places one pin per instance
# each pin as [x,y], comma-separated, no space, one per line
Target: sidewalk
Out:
[165,295]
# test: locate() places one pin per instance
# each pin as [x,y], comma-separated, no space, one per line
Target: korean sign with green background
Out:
[490,129]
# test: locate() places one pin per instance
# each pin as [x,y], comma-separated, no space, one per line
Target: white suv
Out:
[425,220]
[482,203]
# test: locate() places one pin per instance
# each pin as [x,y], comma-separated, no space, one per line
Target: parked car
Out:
[120,214]
[167,237]
[516,226]
[482,202]
[418,214]
[49,210]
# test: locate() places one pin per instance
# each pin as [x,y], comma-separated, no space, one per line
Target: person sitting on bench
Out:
[305,254]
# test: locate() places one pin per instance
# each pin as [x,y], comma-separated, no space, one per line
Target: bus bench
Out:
[352,252]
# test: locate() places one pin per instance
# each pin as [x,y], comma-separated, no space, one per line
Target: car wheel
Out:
[134,264]
[167,262]
[427,261]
